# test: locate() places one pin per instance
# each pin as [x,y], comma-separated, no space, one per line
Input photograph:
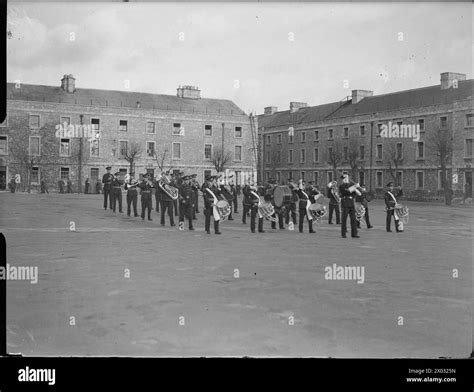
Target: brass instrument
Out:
[355,187]
[171,191]
[317,211]
[360,212]
[333,187]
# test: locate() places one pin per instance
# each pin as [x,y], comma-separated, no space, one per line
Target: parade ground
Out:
[110,285]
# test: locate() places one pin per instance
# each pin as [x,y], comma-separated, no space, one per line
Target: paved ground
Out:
[190,274]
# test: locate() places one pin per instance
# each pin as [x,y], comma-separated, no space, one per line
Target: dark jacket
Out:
[347,197]
[208,198]
[107,180]
[389,202]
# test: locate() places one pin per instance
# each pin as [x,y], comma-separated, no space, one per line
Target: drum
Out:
[224,208]
[317,210]
[282,195]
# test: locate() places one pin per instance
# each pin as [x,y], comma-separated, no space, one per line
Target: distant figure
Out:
[98,186]
[69,185]
[61,186]
[86,190]
[467,191]
[44,187]
[12,185]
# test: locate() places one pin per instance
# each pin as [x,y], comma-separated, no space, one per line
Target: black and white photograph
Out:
[238,179]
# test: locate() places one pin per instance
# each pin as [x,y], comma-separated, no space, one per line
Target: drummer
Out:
[278,205]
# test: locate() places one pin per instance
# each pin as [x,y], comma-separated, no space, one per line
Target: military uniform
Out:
[166,205]
[107,179]
[348,208]
[157,195]
[305,195]
[390,198]
[132,196]
[69,186]
[333,205]
[146,200]
[290,208]
[186,203]
[61,186]
[86,188]
[246,202]
[253,200]
[208,205]
[363,199]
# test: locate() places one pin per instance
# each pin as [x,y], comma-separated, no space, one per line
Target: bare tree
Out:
[25,158]
[393,160]
[440,143]
[161,157]
[334,155]
[354,158]
[134,151]
[220,158]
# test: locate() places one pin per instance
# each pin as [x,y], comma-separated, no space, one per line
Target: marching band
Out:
[272,202]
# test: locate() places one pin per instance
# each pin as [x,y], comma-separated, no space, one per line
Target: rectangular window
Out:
[268,157]
[330,134]
[362,152]
[379,129]
[206,173]
[362,178]
[238,153]
[123,125]
[150,149]
[379,179]
[399,151]
[207,130]
[316,155]
[64,173]
[178,130]
[123,148]
[35,178]
[443,122]
[316,177]
[267,176]
[65,147]
[290,156]
[420,150]
[330,176]
[329,154]
[278,139]
[469,120]
[238,132]
[95,122]
[94,152]
[150,127]
[379,152]
[303,156]
[34,121]
[278,177]
[399,178]
[94,174]
[207,151]
[290,139]
[278,156]
[316,135]
[346,132]
[176,150]
[420,179]
[421,124]
[65,120]
[303,137]
[302,175]
[269,140]
[346,153]
[3,145]
[290,175]
[362,130]
[468,147]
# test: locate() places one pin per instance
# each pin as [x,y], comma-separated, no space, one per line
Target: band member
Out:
[233,191]
[132,194]
[279,211]
[226,191]
[69,185]
[166,205]
[390,202]
[87,184]
[291,207]
[107,181]
[305,194]
[44,187]
[363,199]
[186,204]
[334,200]
[348,192]
[117,192]
[146,185]
[157,194]
[209,192]
[12,184]
[253,199]
[98,186]
[195,188]
[175,182]
[246,202]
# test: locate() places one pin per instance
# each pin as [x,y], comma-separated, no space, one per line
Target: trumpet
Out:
[355,187]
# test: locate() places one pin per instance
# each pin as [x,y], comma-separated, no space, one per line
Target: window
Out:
[420,150]
[238,132]
[303,137]
[346,153]
[399,152]
[123,125]
[346,132]
[94,148]
[177,129]
[290,138]
[65,147]
[330,176]
[123,172]
[330,134]
[3,145]
[290,156]
[64,173]
[278,139]
[278,177]
[443,122]
[303,156]
[302,175]
[362,152]
[94,174]
[421,124]
[316,135]
[316,177]
[123,144]
[65,120]
[206,173]
[379,126]
[379,152]
[379,179]
[290,175]
[207,151]
[267,160]
[468,147]
[238,153]
[316,155]
[207,130]
[269,140]
[95,122]
[150,149]
[329,153]
[361,177]
[362,130]
[176,150]
[440,178]
[420,179]
[278,156]
[470,120]
[150,127]
[34,121]
[399,178]
[35,177]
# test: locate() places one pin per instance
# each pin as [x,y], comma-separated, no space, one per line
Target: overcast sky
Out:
[248,42]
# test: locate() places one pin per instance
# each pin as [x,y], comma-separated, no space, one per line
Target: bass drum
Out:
[282,195]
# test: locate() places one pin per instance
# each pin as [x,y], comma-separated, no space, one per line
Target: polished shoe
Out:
[369,227]
[261,231]
[217,232]
[329,223]
[230,219]
[389,231]
[135,215]
[312,231]
[253,231]
[173,224]
[208,231]
[128,214]
[355,236]
[343,236]
[191,228]
[150,219]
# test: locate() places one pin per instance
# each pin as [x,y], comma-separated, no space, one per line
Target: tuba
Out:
[317,211]
[360,212]
[171,191]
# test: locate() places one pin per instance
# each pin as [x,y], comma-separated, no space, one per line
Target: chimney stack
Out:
[270,110]
[68,83]
[358,95]
[448,78]
[191,92]
[294,106]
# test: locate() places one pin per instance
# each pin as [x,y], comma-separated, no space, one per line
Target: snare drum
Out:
[282,195]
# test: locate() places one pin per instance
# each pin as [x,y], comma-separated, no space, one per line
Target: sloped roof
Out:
[93,97]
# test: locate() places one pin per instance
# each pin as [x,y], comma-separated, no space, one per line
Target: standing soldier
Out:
[253,199]
[146,186]
[12,184]
[86,188]
[69,185]
[306,196]
[246,202]
[196,195]
[235,195]
[279,211]
[107,181]
[348,192]
[44,187]
[132,194]
[186,204]
[175,183]
[363,199]
[117,192]
[210,193]
[291,206]
[390,203]
[334,200]
[157,194]
[166,202]
[98,186]
[61,186]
